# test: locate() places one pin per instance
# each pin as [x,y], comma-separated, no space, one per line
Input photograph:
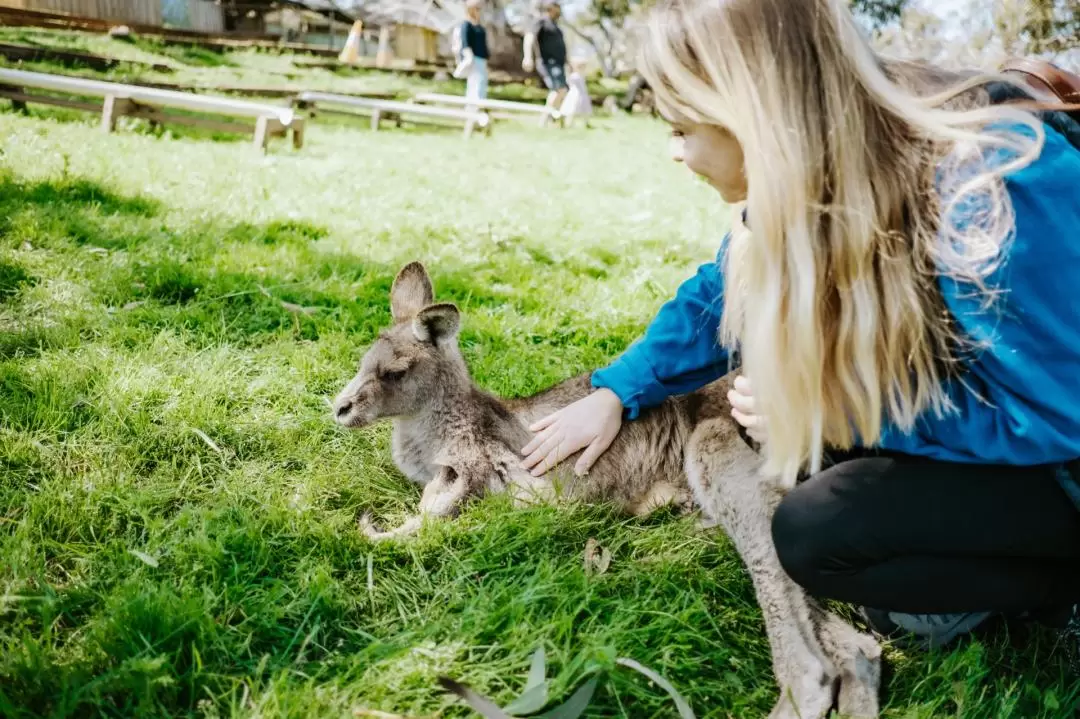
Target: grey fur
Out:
[460,442]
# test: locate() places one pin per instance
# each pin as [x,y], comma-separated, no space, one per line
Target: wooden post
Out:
[16,105]
[112,109]
[298,133]
[384,55]
[375,116]
[266,126]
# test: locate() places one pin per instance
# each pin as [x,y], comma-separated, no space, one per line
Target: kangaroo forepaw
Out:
[370,530]
[860,683]
[857,657]
[804,702]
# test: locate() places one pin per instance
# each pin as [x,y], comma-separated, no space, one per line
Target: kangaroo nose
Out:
[344,408]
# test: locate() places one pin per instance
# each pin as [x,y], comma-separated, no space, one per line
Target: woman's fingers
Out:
[544,422]
[746,420]
[741,402]
[532,451]
[588,458]
[552,439]
[742,385]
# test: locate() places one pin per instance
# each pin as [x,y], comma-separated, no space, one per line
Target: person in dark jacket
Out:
[903,298]
[473,56]
[545,39]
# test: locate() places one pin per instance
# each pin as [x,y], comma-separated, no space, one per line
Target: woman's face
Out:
[712,153]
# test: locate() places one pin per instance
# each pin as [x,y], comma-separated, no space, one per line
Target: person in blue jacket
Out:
[904,295]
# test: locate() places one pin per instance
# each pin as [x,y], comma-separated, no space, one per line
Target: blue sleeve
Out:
[679,352]
[1018,402]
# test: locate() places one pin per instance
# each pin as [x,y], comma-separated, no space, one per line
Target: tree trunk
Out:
[505,47]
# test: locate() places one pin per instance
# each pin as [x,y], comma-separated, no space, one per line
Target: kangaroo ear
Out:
[411,292]
[436,323]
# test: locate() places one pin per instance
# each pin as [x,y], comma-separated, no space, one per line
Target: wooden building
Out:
[200,15]
[411,31]
[143,12]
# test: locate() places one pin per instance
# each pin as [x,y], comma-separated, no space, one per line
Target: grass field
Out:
[177,510]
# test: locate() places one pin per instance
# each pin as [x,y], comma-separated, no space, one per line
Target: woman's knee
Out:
[817,528]
[798,535]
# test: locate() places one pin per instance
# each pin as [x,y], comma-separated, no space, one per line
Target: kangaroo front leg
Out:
[409,527]
[723,475]
[442,497]
[857,656]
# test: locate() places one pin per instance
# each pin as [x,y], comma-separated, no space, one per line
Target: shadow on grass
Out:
[169,280]
[237,591]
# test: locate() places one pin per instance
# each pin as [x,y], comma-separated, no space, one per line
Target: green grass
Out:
[177,511]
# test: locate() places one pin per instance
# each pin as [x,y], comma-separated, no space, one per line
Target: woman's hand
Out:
[744,410]
[591,424]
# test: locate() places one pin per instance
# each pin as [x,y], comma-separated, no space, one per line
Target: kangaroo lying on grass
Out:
[460,442]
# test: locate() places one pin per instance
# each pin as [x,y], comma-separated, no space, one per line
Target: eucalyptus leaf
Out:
[481,704]
[576,705]
[531,701]
[685,712]
[538,670]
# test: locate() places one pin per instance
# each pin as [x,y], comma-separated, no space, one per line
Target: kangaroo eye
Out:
[392,376]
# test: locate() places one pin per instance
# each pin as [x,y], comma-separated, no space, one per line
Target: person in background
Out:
[577,101]
[546,39]
[473,57]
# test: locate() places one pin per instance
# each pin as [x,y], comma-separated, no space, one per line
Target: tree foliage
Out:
[1051,26]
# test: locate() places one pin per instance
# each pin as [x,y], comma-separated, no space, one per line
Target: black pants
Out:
[915,535]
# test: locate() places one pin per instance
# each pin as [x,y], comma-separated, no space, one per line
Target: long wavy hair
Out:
[868,181]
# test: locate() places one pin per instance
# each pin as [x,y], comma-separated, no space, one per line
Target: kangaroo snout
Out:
[353,408]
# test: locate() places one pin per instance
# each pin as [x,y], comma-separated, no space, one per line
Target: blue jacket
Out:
[1028,379]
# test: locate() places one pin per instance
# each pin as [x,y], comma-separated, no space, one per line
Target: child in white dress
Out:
[577,100]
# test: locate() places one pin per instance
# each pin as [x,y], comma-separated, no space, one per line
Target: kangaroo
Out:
[460,442]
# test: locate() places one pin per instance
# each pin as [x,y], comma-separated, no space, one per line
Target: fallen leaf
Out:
[576,705]
[597,558]
[535,695]
[144,557]
[298,309]
[481,704]
[206,438]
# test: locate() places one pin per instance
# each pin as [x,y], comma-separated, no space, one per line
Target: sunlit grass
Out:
[177,511]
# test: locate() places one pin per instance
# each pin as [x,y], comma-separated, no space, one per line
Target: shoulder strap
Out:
[1047,77]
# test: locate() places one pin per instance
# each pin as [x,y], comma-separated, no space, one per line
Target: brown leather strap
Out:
[1045,76]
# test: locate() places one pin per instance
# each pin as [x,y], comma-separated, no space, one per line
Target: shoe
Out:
[929,631]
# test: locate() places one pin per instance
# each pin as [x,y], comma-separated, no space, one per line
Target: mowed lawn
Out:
[178,512]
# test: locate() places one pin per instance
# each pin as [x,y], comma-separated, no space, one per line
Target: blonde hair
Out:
[863,191]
